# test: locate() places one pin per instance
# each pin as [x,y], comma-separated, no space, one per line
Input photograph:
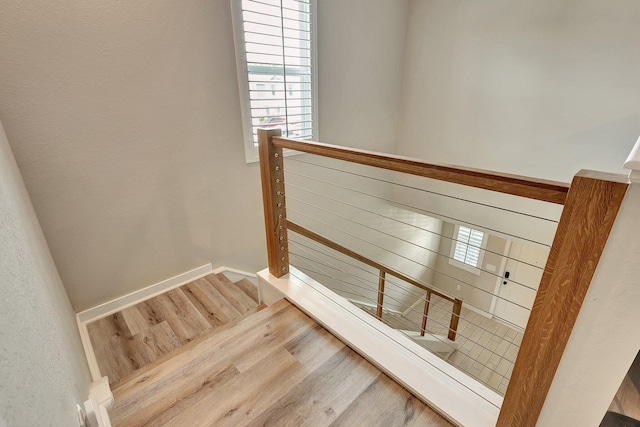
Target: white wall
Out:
[538,88]
[43,372]
[125,122]
[606,337]
[360,61]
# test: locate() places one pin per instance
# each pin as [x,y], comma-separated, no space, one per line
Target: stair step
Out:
[248,288]
[209,375]
[139,374]
[207,298]
[232,293]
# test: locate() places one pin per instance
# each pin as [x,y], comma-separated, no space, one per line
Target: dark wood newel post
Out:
[455,318]
[425,314]
[587,218]
[381,280]
[273,198]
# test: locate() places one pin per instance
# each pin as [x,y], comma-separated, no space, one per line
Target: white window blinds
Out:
[468,245]
[277,52]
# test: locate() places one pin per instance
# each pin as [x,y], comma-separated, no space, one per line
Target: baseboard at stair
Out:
[235,275]
[118,304]
[136,297]
[92,314]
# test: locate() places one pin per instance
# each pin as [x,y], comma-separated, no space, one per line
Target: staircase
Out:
[266,366]
[136,336]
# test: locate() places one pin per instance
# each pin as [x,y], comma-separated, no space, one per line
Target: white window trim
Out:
[251,151]
[462,265]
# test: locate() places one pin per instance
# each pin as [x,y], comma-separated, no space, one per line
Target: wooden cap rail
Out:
[531,188]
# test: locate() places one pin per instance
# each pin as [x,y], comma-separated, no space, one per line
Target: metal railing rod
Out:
[407,321]
[330,243]
[401,288]
[424,190]
[403,222]
[368,287]
[377,230]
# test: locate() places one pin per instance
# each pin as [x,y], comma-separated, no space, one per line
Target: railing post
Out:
[587,218]
[455,318]
[380,294]
[273,198]
[427,301]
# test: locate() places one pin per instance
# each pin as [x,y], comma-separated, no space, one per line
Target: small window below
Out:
[467,248]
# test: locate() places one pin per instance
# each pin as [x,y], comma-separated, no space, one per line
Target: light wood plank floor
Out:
[276,367]
[138,335]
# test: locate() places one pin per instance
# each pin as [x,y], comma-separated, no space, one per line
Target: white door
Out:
[515,294]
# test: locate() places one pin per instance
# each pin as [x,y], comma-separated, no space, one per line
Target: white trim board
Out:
[234,275]
[120,303]
[458,397]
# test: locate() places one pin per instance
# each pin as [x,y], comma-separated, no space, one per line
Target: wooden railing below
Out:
[384,271]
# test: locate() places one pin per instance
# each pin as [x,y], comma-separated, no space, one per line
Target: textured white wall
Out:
[540,88]
[125,122]
[360,60]
[43,372]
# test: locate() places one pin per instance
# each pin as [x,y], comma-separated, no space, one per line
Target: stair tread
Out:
[208,299]
[236,296]
[140,375]
[248,288]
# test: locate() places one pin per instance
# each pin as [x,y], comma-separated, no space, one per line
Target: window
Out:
[275,56]
[467,248]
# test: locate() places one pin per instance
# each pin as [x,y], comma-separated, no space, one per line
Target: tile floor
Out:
[487,349]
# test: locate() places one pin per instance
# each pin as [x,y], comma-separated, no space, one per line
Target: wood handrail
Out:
[292,226]
[531,188]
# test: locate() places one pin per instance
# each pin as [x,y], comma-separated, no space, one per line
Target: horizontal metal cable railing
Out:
[453,257]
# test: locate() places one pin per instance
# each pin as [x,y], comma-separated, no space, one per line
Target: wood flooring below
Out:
[136,336]
[276,367]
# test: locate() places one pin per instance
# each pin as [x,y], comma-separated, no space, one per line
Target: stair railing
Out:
[383,271]
[591,204]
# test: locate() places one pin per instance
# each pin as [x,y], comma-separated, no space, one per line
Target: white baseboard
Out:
[477,310]
[234,275]
[120,303]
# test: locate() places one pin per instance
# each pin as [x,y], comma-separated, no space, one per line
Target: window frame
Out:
[459,264]
[251,150]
